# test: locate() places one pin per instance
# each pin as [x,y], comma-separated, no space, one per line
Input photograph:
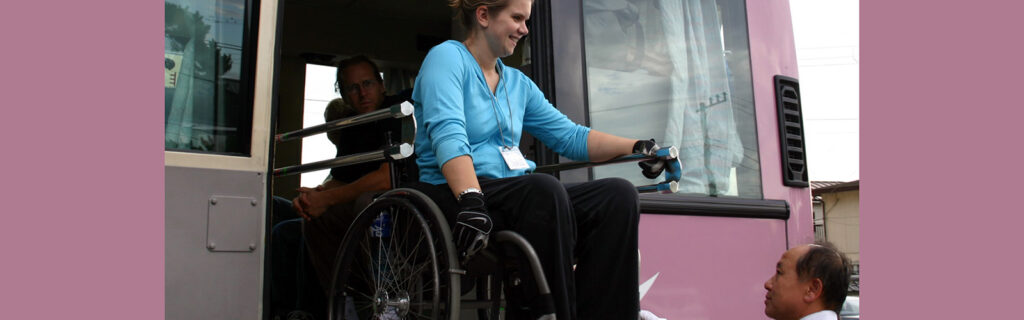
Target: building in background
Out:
[837,219]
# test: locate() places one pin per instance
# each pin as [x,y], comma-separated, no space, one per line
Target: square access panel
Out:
[233,224]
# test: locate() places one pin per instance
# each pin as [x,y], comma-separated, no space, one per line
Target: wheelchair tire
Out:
[397,269]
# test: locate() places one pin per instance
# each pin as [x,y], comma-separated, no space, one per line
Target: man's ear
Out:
[814,290]
[482,16]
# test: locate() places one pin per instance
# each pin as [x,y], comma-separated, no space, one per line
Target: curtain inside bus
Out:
[664,69]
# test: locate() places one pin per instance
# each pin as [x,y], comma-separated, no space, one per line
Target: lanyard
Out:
[494,106]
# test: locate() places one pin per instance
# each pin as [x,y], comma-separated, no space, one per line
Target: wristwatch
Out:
[468,190]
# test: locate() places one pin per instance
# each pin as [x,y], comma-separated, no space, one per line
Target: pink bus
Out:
[715,78]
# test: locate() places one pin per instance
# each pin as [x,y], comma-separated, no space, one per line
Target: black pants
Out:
[323,235]
[293,284]
[593,224]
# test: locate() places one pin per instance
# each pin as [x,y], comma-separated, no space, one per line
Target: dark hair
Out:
[467,9]
[344,64]
[823,261]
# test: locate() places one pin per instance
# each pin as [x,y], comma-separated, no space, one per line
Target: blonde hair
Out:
[467,9]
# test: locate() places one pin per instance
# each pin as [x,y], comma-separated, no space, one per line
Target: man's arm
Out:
[312,203]
[330,184]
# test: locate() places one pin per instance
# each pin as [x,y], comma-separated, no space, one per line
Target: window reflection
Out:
[204,105]
[677,71]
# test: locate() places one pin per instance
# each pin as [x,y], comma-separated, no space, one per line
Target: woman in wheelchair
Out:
[472,111]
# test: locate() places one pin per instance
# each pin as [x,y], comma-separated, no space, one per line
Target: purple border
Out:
[941,118]
[82,232]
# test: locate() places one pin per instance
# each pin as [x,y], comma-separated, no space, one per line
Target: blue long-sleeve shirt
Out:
[458,115]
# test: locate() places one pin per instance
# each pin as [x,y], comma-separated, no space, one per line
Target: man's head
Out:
[808,279]
[360,84]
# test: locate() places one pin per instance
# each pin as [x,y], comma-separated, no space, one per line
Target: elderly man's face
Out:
[785,297]
[361,89]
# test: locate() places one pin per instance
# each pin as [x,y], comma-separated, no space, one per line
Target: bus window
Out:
[205,100]
[679,72]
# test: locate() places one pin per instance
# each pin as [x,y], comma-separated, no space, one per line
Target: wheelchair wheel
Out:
[396,262]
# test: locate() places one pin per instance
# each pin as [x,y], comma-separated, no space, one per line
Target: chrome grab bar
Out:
[400,110]
[673,170]
[402,150]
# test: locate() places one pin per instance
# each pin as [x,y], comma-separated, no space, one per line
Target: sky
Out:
[828,57]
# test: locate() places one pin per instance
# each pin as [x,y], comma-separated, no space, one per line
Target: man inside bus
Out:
[810,283]
[329,208]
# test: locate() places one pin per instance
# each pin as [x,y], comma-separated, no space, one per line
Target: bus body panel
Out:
[205,283]
[223,282]
[707,267]
[773,52]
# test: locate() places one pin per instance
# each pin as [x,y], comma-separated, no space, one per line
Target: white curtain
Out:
[700,116]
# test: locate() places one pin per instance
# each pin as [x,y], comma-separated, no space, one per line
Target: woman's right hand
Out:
[472,225]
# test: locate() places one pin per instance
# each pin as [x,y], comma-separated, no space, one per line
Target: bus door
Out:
[218,92]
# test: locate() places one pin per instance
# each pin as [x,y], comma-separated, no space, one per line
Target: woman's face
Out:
[508,26]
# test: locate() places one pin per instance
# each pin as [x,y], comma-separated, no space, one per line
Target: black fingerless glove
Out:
[651,168]
[472,225]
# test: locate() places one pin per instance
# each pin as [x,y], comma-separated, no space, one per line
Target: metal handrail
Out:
[394,152]
[673,170]
[398,152]
[400,110]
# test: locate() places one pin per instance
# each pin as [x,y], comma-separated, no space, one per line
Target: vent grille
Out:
[791,133]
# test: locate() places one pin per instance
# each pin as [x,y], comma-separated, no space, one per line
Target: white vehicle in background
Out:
[851,308]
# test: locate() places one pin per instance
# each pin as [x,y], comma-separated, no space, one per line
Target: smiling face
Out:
[505,27]
[786,292]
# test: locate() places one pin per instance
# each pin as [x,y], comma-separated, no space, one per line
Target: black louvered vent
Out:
[791,132]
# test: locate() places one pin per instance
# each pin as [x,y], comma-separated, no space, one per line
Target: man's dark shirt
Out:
[371,137]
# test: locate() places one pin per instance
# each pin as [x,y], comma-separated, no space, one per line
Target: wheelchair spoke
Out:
[405,264]
[402,271]
[408,284]
[353,290]
[392,249]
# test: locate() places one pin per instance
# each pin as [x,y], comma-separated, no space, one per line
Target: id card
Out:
[513,158]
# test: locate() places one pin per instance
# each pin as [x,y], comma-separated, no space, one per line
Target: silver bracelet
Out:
[468,190]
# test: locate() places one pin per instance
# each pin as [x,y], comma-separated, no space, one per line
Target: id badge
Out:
[513,158]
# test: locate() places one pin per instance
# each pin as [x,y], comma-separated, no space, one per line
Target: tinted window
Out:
[677,71]
[205,106]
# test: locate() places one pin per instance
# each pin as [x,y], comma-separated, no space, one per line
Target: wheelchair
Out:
[398,259]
